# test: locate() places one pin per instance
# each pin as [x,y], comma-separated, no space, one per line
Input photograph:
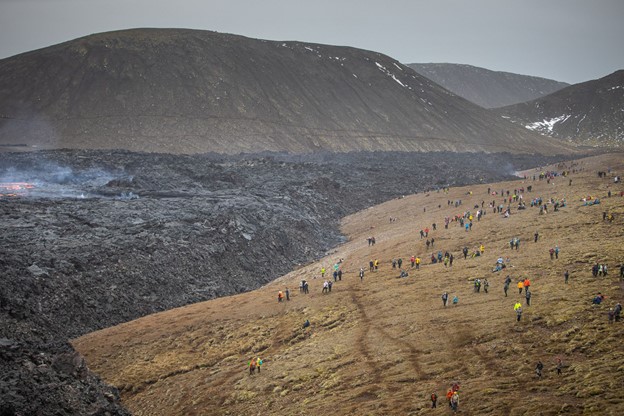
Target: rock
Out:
[37,271]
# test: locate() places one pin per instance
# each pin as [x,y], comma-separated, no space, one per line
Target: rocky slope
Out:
[589,113]
[486,88]
[104,237]
[185,91]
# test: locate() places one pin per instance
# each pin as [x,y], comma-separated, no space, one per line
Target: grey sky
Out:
[565,40]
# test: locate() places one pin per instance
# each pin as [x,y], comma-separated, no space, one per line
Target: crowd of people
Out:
[467,220]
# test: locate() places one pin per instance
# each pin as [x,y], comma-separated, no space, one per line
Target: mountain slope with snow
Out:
[590,113]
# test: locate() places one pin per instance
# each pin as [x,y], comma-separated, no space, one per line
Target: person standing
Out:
[434,400]
[455,401]
[566,276]
[444,298]
[528,297]
[361,274]
[287,292]
[538,369]
[536,236]
[518,309]
[520,286]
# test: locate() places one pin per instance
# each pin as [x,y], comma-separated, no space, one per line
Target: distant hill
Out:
[489,89]
[188,91]
[590,113]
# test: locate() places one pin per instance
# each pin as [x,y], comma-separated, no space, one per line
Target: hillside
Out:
[186,91]
[486,88]
[588,114]
[382,345]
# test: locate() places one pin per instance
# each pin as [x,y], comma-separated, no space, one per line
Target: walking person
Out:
[361,274]
[434,400]
[538,369]
[528,297]
[566,276]
[518,309]
[444,298]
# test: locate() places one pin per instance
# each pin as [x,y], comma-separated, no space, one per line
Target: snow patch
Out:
[390,74]
[547,125]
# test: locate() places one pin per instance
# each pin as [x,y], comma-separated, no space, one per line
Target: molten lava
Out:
[14,189]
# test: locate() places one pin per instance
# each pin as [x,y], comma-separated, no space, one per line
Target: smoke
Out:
[51,180]
[509,169]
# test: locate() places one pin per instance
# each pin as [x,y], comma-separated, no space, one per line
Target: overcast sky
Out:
[565,40]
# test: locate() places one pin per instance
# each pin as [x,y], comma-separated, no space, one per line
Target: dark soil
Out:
[108,236]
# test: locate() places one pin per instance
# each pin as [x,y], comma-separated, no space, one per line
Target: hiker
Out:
[306,288]
[520,286]
[556,251]
[465,251]
[252,367]
[528,296]
[399,263]
[506,287]
[444,298]
[361,274]
[551,252]
[413,261]
[322,272]
[432,241]
[559,366]
[598,299]
[455,300]
[325,286]
[486,285]
[611,315]
[449,395]
[428,243]
[280,296]
[329,285]
[258,364]
[340,274]
[376,264]
[566,276]
[306,324]
[335,274]
[287,293]
[481,249]
[418,263]
[518,309]
[455,401]
[617,311]
[536,235]
[538,369]
[451,260]
[371,266]
[526,284]
[434,399]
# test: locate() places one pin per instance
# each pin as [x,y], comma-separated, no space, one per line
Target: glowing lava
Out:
[14,189]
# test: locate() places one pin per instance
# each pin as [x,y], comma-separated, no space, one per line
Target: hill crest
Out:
[185,91]
[487,88]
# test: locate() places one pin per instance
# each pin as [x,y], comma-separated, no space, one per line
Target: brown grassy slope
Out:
[381,346]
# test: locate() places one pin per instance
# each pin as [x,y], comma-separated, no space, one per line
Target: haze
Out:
[565,40]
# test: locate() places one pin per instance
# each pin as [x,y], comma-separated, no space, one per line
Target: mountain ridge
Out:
[187,91]
[487,88]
